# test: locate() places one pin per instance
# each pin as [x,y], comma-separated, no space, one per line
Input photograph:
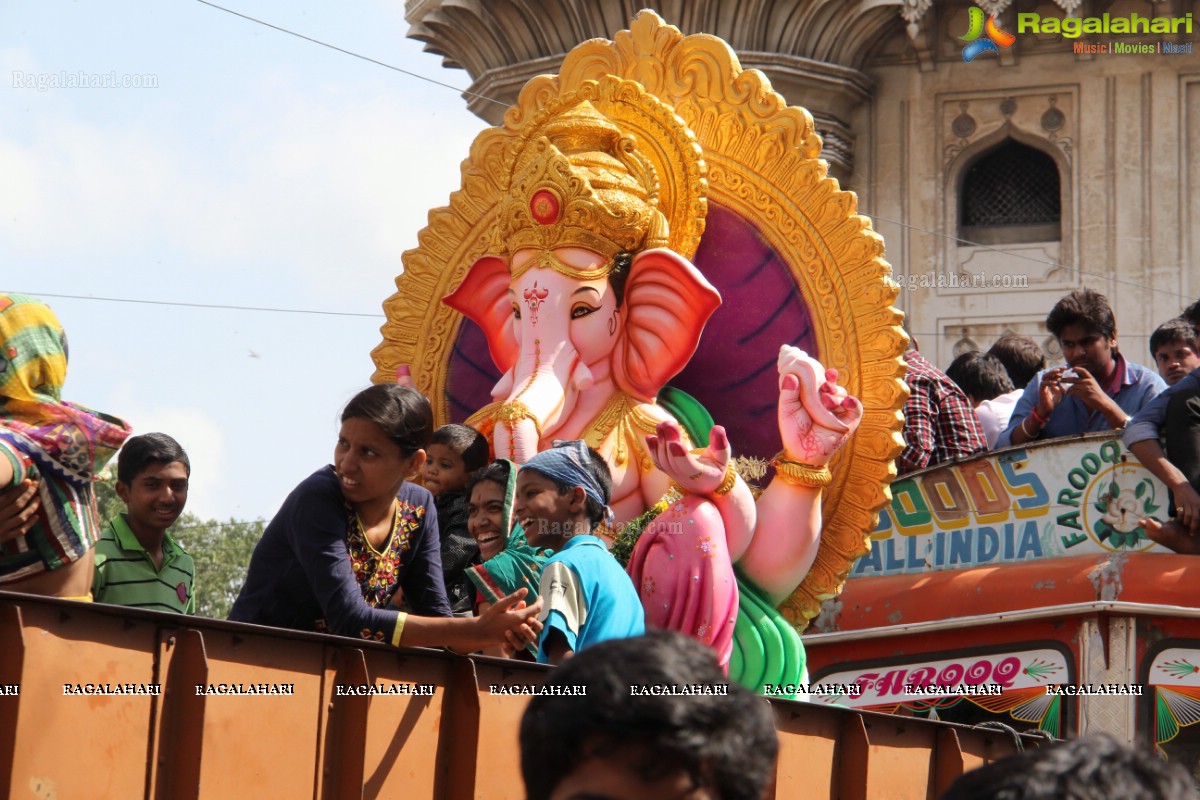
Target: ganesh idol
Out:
[588,312]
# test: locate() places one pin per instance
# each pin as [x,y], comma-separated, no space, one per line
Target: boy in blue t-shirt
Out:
[562,496]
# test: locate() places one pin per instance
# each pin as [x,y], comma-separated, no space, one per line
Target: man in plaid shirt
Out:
[939,423]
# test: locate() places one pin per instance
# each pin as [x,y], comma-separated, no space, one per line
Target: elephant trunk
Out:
[544,377]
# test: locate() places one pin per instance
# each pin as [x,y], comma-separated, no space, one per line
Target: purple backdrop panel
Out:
[472,373]
[733,372]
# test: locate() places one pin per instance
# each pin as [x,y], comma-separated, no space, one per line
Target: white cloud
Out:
[309,186]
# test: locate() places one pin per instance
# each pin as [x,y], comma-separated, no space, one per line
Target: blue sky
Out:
[262,171]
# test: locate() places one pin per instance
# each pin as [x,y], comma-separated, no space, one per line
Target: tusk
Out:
[581,377]
[503,387]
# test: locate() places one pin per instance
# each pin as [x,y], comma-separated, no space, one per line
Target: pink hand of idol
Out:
[696,473]
[816,415]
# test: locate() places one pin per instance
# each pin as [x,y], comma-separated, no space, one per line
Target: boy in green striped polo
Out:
[137,561]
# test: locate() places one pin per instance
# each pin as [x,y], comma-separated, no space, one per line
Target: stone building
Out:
[998,184]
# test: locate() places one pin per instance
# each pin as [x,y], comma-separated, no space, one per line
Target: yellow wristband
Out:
[401,618]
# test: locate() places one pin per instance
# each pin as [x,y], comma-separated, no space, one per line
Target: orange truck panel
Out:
[180,733]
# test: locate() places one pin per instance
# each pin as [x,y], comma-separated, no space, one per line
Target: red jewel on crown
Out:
[545,207]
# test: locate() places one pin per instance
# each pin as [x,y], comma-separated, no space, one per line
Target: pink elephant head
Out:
[584,300]
[557,336]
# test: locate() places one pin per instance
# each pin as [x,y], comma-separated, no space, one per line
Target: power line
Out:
[205,305]
[392,67]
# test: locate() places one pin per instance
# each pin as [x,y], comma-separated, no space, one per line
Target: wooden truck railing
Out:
[58,739]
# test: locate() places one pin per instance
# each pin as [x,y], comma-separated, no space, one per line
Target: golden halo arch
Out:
[761,161]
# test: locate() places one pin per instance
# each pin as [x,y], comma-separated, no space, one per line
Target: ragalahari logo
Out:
[995,36]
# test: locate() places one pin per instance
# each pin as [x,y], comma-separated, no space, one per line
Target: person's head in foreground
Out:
[562,492]
[1091,768]
[609,744]
[1173,345]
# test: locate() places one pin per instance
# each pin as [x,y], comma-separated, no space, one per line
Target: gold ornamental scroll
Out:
[763,163]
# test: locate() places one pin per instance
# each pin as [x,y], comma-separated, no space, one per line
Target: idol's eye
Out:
[516,312]
[582,311]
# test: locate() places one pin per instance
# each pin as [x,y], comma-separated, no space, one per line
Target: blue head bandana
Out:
[569,463]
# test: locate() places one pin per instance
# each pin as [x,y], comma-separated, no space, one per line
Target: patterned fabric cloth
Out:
[570,463]
[60,444]
[518,565]
[684,575]
[378,571]
[939,423]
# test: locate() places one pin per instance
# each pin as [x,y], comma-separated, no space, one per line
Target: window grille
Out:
[1012,186]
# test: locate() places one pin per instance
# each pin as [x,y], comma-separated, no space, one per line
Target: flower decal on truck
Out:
[1122,511]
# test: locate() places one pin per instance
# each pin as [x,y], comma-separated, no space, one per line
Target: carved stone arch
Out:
[960,162]
[965,344]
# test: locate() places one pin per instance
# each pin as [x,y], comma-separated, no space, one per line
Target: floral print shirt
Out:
[378,571]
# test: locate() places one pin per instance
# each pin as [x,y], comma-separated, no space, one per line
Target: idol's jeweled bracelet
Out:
[800,474]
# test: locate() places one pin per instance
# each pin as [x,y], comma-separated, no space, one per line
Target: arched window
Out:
[1011,194]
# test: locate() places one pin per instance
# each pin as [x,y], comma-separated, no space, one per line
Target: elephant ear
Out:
[483,297]
[667,303]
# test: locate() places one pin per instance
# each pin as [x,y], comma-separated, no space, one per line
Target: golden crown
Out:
[581,183]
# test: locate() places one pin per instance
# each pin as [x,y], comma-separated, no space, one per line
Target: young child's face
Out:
[1175,360]
[156,496]
[549,518]
[485,518]
[444,470]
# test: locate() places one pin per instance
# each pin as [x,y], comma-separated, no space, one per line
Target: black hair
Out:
[981,377]
[142,451]
[603,475]
[1021,356]
[1192,313]
[1090,768]
[496,472]
[1086,308]
[724,742]
[466,441]
[403,413]
[1173,331]
[619,274]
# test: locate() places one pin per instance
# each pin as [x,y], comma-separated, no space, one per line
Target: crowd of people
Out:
[411,538]
[1009,396]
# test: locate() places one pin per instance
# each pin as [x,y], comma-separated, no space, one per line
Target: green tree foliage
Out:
[221,550]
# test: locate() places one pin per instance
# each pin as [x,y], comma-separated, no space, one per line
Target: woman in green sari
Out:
[509,562]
